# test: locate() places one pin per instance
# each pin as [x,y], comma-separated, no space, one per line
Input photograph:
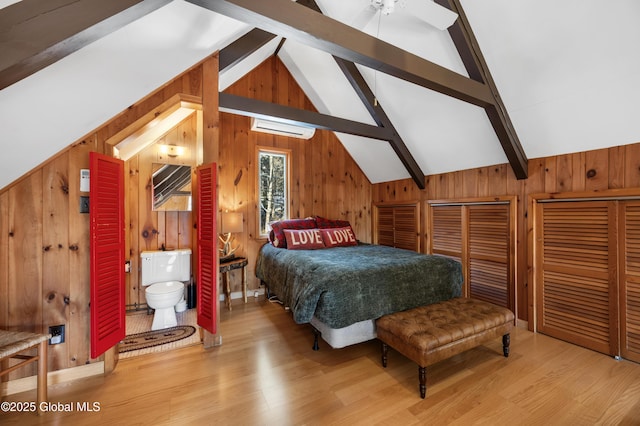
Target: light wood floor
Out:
[265,373]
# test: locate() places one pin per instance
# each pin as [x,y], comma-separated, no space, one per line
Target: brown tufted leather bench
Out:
[431,333]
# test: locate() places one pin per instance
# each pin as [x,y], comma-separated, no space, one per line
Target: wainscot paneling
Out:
[25,253]
[78,297]
[325,181]
[608,168]
[55,259]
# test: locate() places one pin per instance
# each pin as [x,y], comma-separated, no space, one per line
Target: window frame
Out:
[287,190]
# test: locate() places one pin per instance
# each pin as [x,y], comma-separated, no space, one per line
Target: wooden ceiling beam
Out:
[366,95]
[477,68]
[256,38]
[34,33]
[306,25]
[374,107]
[243,47]
[297,22]
[241,105]
[240,50]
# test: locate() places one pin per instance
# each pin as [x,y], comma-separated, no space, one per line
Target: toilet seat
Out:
[164,273]
[165,288]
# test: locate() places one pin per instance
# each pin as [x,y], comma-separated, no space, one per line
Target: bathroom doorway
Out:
[158,217]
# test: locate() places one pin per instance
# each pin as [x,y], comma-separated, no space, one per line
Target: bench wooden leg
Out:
[506,341]
[422,376]
[385,350]
[42,374]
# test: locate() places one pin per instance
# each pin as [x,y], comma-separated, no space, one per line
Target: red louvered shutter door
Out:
[207,248]
[107,252]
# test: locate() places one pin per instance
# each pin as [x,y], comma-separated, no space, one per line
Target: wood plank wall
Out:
[325,181]
[597,170]
[44,240]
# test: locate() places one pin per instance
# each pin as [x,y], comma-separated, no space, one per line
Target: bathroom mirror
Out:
[171,189]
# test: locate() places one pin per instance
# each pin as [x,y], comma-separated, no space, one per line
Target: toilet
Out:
[163,275]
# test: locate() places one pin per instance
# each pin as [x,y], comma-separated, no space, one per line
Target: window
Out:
[273,187]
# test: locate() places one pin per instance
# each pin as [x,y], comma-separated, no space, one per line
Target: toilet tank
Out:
[161,266]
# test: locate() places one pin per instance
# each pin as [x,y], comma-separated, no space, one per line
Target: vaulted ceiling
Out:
[508,81]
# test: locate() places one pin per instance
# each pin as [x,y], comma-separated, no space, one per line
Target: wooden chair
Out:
[13,344]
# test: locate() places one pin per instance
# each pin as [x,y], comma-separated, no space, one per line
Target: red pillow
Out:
[331,223]
[339,237]
[303,239]
[278,228]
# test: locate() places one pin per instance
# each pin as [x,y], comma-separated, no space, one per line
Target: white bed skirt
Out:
[350,335]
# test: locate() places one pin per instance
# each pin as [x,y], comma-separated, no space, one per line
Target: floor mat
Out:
[155,338]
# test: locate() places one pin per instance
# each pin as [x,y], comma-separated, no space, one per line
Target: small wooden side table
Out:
[228,266]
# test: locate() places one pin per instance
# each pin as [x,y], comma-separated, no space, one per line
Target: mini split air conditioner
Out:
[276,128]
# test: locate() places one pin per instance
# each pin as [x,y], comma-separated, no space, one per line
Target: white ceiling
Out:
[567,71]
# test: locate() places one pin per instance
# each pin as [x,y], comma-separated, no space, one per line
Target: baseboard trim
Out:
[53,377]
[238,294]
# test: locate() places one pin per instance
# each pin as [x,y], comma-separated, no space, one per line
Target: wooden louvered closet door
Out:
[479,236]
[576,273]
[630,280]
[489,266]
[385,231]
[446,231]
[405,222]
[397,226]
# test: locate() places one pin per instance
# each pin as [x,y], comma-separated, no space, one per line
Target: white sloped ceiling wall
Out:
[567,71]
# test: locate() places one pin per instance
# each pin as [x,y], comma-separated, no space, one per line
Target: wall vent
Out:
[282,129]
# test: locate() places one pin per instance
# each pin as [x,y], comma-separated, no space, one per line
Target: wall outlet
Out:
[57,334]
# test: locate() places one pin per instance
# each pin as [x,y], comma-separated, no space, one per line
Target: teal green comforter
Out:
[344,285]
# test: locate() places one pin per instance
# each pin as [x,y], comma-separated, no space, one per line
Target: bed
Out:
[341,291]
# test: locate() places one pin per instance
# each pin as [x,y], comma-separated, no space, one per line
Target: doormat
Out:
[148,339]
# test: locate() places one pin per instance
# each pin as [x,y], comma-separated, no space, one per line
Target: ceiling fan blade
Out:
[434,14]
